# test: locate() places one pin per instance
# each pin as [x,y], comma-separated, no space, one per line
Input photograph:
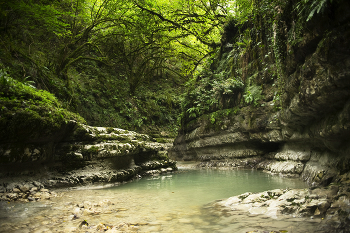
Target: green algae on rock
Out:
[40,137]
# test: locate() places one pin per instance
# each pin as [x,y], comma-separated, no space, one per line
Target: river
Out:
[175,202]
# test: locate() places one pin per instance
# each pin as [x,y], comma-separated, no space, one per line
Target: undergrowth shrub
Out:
[28,113]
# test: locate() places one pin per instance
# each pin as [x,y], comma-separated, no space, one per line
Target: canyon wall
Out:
[79,154]
[299,123]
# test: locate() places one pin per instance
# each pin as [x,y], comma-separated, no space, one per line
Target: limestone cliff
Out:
[292,113]
[40,141]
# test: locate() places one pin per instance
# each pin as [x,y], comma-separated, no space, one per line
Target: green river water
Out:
[175,202]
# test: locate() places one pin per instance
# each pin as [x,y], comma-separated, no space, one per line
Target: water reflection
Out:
[169,203]
[205,185]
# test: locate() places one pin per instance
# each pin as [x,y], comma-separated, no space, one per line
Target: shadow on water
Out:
[175,202]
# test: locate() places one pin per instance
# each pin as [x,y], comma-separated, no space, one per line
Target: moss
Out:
[110,130]
[89,153]
[141,137]
[81,133]
[155,135]
[123,139]
[219,119]
[28,113]
[93,149]
[160,140]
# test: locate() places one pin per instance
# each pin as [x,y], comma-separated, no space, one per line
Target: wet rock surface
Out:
[35,188]
[305,133]
[34,194]
[147,208]
[301,127]
[89,155]
[329,206]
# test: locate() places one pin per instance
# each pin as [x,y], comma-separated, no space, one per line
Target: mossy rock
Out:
[161,140]
[32,115]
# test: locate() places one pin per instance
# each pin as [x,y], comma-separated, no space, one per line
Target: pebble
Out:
[37,184]
[24,189]
[101,227]
[88,212]
[46,196]
[37,195]
[16,190]
[77,212]
[12,196]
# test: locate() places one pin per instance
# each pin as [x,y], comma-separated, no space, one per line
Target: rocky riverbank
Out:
[329,205]
[295,123]
[151,204]
[39,187]
[26,193]
[86,155]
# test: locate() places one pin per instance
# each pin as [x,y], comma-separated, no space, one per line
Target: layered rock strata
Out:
[304,131]
[298,126]
[86,155]
[328,206]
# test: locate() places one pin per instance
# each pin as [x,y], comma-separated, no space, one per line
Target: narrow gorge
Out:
[268,89]
[297,121]
[294,122]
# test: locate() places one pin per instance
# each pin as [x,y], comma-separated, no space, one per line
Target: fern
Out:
[253,94]
[310,7]
[317,6]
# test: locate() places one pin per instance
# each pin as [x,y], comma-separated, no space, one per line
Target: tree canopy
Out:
[154,32]
[113,48]
[70,46]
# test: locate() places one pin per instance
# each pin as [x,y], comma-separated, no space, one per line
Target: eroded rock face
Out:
[330,205]
[301,132]
[86,155]
[307,136]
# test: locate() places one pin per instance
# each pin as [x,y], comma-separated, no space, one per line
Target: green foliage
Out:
[12,89]
[205,97]
[231,76]
[88,153]
[117,63]
[160,140]
[242,10]
[253,95]
[29,114]
[276,101]
[124,63]
[308,8]
[263,44]
[218,116]
[227,86]
[213,89]
[244,42]
[36,13]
